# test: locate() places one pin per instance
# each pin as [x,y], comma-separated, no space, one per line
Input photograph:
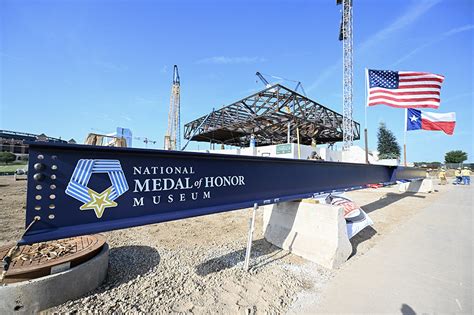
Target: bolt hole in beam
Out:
[52,196]
[51,216]
[37,208]
[39,187]
[40,156]
[54,167]
[52,186]
[53,177]
[38,197]
[52,206]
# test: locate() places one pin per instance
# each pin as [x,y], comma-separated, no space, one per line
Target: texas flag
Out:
[417,119]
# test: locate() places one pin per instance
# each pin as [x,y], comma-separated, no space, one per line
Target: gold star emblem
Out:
[99,202]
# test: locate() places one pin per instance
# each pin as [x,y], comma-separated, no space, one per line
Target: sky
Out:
[68,68]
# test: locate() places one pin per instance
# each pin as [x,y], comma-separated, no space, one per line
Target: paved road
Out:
[425,267]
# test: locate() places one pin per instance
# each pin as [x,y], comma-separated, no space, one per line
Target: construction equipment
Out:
[299,85]
[173,136]
[345,35]
[145,140]
[262,78]
[105,140]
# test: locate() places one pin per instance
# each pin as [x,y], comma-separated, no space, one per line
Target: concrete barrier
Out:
[30,297]
[417,186]
[313,231]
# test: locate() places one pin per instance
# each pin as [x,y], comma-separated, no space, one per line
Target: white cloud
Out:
[322,76]
[144,101]
[224,60]
[110,66]
[457,97]
[404,20]
[443,36]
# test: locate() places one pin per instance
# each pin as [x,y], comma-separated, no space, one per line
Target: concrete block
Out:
[417,186]
[315,232]
[30,297]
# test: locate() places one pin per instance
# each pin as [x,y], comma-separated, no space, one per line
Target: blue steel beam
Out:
[77,189]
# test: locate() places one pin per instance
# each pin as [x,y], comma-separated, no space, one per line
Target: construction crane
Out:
[299,85]
[262,78]
[345,35]
[173,136]
[145,140]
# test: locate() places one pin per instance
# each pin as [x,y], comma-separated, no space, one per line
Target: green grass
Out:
[12,167]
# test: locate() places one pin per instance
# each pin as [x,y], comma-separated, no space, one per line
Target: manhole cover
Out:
[42,259]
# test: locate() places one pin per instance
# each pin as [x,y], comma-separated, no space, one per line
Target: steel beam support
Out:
[78,189]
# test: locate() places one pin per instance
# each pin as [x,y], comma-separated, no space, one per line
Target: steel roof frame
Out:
[266,114]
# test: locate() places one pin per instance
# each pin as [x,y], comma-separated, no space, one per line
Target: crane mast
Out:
[345,36]
[173,136]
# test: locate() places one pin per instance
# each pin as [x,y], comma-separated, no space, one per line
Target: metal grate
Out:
[36,260]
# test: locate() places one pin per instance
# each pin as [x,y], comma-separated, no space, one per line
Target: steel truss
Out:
[266,115]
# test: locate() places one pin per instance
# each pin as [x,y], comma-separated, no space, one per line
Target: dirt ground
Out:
[196,265]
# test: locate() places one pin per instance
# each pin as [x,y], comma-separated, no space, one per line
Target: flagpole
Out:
[365,119]
[405,139]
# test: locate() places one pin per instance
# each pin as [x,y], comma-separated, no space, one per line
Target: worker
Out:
[466,176]
[428,173]
[457,173]
[314,156]
[442,176]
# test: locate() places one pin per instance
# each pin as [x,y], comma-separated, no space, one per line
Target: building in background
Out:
[16,142]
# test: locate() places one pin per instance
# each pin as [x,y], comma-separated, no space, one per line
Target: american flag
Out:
[404,89]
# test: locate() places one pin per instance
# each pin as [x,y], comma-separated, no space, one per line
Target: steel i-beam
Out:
[77,189]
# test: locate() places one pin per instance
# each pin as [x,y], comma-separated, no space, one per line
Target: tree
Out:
[387,143]
[456,156]
[7,157]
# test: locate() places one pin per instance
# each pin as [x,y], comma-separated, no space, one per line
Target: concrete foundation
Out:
[30,297]
[417,186]
[313,231]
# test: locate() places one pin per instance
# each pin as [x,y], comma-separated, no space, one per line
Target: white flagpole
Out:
[365,117]
[405,138]
[366,96]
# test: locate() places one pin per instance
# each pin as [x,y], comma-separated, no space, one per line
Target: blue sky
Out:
[73,67]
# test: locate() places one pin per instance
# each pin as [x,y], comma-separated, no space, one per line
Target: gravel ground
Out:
[196,265]
[12,209]
[193,266]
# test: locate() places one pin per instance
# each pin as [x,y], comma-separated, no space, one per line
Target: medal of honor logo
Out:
[77,187]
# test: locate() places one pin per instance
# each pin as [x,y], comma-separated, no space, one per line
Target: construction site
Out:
[272,202]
